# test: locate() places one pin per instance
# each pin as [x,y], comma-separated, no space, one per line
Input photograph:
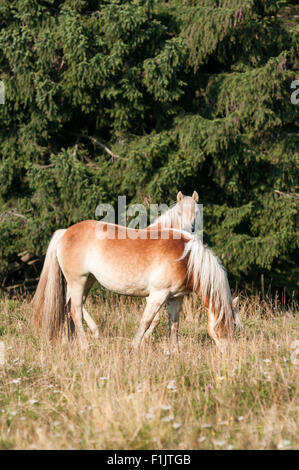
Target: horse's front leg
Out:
[174,307]
[153,304]
[153,325]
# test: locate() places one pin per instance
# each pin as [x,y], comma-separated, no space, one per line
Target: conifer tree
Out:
[145,98]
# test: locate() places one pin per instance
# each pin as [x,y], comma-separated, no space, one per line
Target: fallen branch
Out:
[26,284]
[284,194]
[13,213]
[43,167]
[96,142]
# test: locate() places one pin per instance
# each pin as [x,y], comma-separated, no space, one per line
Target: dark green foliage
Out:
[187,95]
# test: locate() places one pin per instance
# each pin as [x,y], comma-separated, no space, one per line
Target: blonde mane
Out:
[210,277]
[167,218]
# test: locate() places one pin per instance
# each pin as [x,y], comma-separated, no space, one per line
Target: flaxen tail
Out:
[49,299]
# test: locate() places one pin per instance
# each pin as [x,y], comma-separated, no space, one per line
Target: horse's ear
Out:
[180,196]
[235,302]
[195,196]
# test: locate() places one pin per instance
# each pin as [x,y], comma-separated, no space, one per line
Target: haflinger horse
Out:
[181,215]
[161,264]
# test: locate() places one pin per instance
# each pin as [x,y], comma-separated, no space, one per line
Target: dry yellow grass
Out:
[56,397]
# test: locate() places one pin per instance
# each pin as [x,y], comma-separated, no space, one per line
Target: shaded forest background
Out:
[185,94]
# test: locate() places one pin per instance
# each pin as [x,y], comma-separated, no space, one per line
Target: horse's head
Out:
[187,211]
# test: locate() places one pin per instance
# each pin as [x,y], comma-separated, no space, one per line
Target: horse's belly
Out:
[123,288]
[123,281]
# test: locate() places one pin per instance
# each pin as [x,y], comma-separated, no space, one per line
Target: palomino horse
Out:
[182,215]
[160,264]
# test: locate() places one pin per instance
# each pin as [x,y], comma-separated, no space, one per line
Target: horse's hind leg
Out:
[70,322]
[76,291]
[90,322]
[153,304]
[174,307]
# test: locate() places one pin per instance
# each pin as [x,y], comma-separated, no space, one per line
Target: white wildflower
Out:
[172,385]
[32,401]
[167,419]
[219,443]
[284,444]
[15,381]
[176,425]
[166,407]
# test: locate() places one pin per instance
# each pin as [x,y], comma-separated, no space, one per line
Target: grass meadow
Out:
[52,396]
